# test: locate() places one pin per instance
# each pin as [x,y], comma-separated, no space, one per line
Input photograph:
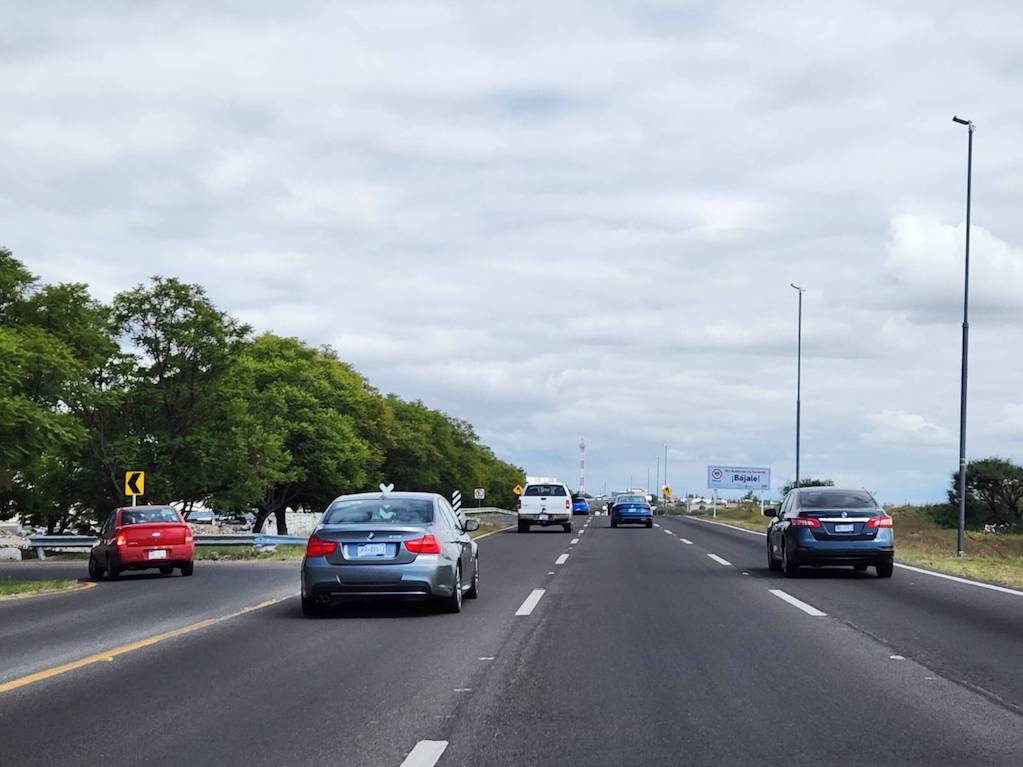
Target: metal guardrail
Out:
[486,510]
[42,542]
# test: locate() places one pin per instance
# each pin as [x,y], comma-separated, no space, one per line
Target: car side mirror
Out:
[770,511]
[471,525]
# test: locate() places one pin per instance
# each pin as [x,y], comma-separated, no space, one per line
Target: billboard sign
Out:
[738,478]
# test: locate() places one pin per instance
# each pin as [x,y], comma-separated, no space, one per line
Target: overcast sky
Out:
[562,219]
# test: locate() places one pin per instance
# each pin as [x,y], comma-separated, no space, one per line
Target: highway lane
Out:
[45,631]
[961,631]
[270,687]
[639,649]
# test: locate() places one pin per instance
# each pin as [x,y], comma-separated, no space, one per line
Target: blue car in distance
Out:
[580,505]
[631,510]
[830,526]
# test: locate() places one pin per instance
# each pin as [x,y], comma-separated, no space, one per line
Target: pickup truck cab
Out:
[545,503]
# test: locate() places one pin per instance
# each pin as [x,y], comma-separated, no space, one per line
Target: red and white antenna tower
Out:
[582,466]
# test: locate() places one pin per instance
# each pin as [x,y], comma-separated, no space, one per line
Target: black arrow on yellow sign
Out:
[134,483]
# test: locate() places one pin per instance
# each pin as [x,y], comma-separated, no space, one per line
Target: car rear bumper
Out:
[425,578]
[632,519]
[558,518]
[842,556]
[137,557]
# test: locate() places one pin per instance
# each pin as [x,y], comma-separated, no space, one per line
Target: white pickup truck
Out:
[545,503]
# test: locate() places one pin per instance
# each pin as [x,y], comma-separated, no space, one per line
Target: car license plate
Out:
[844,528]
[371,550]
[543,517]
[157,554]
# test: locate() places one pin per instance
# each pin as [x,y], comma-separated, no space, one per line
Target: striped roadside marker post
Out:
[456,500]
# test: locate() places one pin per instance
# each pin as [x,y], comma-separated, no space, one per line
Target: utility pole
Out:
[961,527]
[799,373]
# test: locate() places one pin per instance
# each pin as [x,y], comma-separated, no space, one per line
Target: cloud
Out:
[559,219]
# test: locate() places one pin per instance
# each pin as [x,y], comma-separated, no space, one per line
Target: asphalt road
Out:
[641,650]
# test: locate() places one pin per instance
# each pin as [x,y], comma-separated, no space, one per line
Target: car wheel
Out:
[523,527]
[312,608]
[453,603]
[859,568]
[166,569]
[613,523]
[885,570]
[95,571]
[788,567]
[187,568]
[113,571]
[772,564]
[474,590]
[649,525]
[568,527]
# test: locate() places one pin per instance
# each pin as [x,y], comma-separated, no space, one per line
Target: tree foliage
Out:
[809,482]
[994,494]
[163,381]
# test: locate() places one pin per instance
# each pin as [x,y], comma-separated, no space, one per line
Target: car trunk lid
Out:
[156,534]
[370,544]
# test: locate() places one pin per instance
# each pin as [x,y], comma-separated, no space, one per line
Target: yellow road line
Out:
[109,655]
[48,592]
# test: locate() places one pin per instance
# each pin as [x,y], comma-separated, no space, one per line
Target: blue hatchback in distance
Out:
[830,526]
[580,505]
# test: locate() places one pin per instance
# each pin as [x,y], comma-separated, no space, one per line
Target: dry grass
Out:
[10,587]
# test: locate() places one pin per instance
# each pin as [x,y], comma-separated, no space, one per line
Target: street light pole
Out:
[961,527]
[799,373]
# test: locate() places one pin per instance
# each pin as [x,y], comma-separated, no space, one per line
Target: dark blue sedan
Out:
[631,510]
[830,526]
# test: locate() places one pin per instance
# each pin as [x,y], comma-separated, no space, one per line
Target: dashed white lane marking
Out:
[487,657]
[573,542]
[896,657]
[656,525]
[669,532]
[561,560]
[686,540]
[462,689]
[583,530]
[426,753]
[550,572]
[808,609]
[531,602]
[719,560]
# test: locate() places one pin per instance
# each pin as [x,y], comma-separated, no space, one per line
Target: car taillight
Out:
[121,540]
[425,545]
[806,522]
[317,547]
[189,539]
[568,504]
[883,521]
[518,503]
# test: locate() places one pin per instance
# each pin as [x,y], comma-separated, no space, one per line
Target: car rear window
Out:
[836,499]
[631,499]
[545,490]
[142,516]
[380,511]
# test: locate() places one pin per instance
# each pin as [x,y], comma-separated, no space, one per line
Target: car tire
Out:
[523,527]
[166,569]
[885,570]
[313,609]
[113,571]
[474,590]
[453,603]
[187,568]
[567,527]
[649,525]
[613,523]
[95,571]
[788,567]
[772,564]
[859,568]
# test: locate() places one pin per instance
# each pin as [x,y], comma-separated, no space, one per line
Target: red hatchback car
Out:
[141,538]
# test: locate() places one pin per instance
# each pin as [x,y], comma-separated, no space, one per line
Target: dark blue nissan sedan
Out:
[830,526]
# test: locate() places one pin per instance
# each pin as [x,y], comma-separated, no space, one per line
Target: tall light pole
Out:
[799,372]
[961,528]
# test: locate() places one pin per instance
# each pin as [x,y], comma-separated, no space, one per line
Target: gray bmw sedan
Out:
[390,545]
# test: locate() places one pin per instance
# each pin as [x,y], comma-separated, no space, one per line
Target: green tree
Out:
[811,482]
[994,494]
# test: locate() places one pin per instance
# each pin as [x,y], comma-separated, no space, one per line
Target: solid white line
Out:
[531,602]
[426,753]
[808,609]
[719,560]
[561,560]
[686,540]
[573,542]
[968,582]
